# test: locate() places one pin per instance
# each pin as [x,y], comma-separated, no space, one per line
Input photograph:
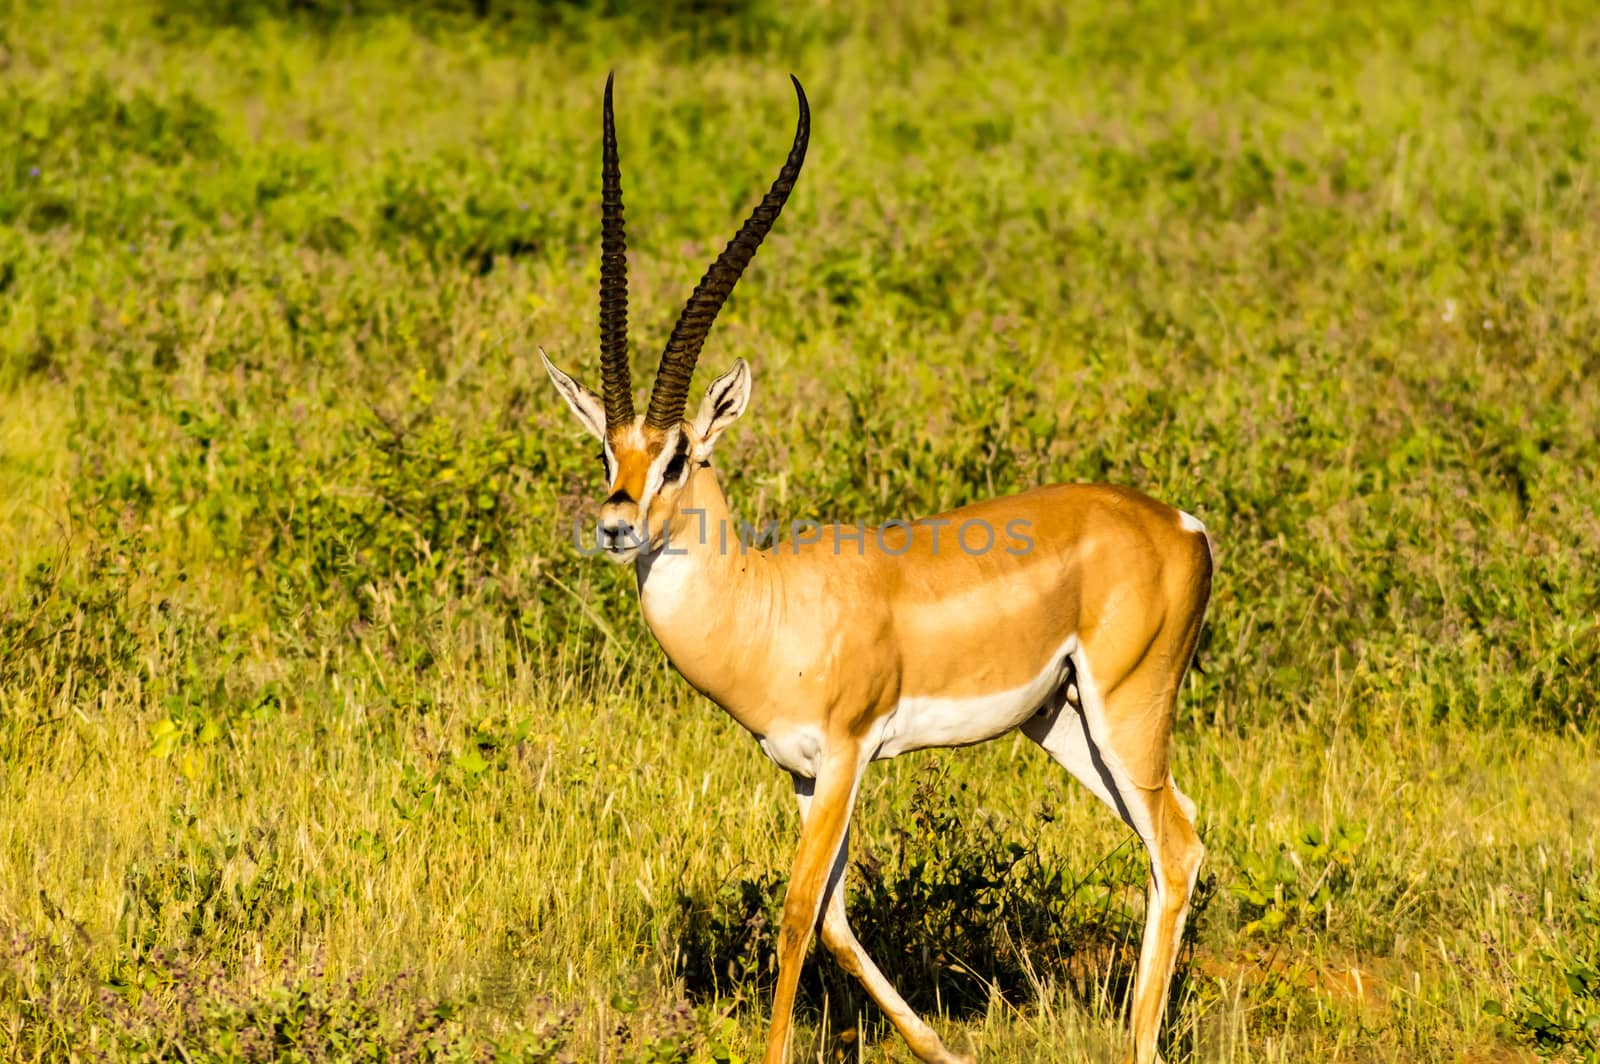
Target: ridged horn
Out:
[670,395]
[615,383]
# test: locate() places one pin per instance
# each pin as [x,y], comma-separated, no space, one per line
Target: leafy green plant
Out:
[1298,886]
[1557,1007]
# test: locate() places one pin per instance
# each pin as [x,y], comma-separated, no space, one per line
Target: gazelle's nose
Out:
[617,534]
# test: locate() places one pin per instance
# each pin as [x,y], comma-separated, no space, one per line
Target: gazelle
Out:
[1075,625]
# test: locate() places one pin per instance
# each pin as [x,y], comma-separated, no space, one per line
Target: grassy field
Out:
[319,739]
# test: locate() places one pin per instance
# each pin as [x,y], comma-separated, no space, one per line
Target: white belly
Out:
[928,721]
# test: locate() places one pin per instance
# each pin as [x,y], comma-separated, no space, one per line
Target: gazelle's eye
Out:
[675,468]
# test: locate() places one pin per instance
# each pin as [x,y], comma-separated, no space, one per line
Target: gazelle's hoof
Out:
[941,1055]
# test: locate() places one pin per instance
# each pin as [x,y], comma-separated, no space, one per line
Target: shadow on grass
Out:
[956,914]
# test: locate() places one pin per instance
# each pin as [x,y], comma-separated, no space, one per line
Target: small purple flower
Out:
[33,171]
[522,206]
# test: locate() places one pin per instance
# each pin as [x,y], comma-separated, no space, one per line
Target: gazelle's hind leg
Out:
[1116,744]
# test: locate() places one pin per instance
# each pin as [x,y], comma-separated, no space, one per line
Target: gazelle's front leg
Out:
[826,818]
[847,950]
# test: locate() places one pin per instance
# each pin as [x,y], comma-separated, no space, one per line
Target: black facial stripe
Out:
[620,497]
[675,465]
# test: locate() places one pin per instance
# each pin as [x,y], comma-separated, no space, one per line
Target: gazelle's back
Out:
[983,598]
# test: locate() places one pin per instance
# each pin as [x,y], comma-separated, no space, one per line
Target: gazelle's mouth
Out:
[625,544]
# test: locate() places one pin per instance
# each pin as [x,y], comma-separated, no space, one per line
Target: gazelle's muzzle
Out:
[621,531]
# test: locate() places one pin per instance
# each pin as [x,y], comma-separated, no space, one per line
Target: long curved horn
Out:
[670,395]
[614,380]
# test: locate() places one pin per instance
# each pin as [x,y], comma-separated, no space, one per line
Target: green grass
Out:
[317,735]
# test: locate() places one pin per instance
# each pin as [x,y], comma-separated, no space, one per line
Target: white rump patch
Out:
[1190,523]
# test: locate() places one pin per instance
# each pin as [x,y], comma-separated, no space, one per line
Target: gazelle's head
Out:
[650,459]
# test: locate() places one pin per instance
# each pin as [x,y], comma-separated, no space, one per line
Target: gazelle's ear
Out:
[584,403]
[725,400]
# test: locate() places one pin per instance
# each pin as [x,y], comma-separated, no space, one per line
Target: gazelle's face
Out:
[646,468]
[645,472]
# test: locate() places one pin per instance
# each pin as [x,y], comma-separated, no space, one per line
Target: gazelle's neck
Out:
[706,598]
[693,556]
